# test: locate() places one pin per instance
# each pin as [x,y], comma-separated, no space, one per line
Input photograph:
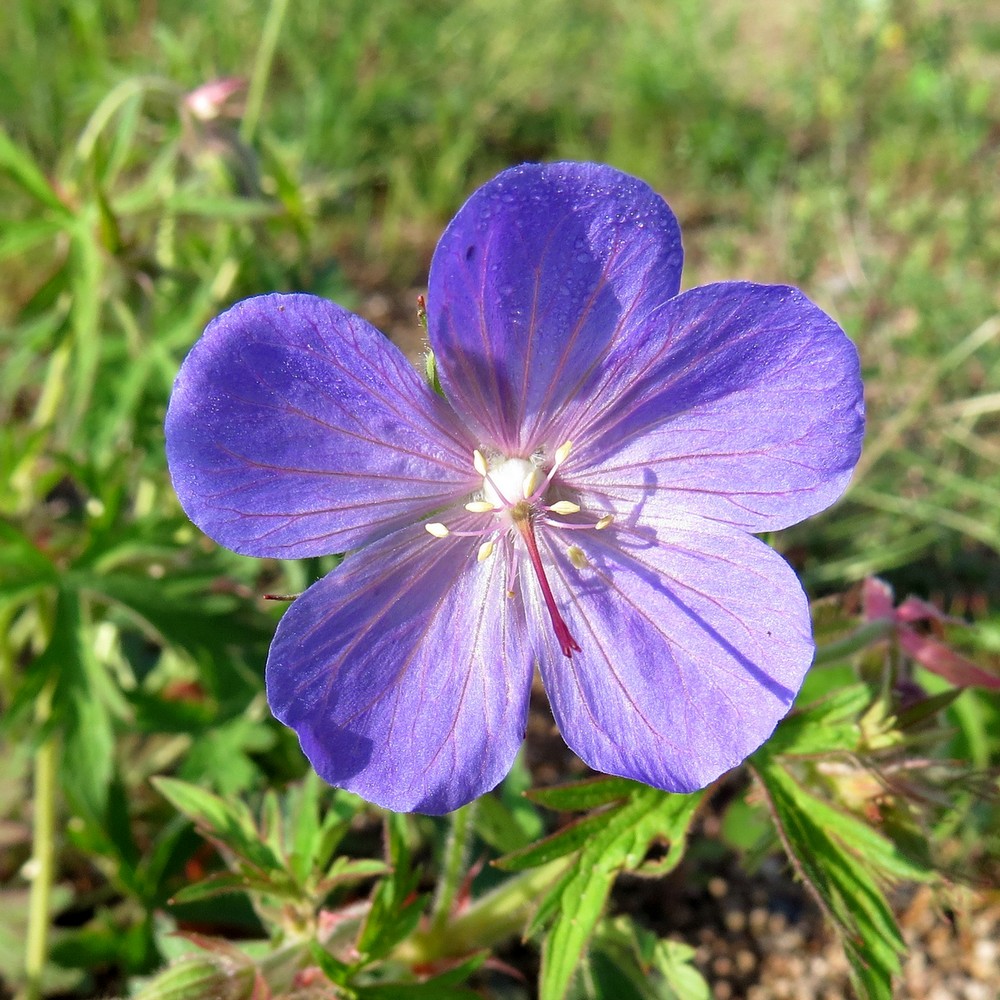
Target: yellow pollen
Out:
[604,522]
[562,452]
[564,507]
[577,558]
[479,462]
[485,551]
[479,506]
[437,529]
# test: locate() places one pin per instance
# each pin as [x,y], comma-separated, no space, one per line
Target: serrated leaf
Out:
[621,843]
[841,881]
[227,822]
[628,962]
[579,795]
[866,843]
[557,845]
[217,884]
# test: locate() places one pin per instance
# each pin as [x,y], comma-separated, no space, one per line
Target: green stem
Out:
[855,642]
[490,920]
[262,68]
[43,855]
[453,864]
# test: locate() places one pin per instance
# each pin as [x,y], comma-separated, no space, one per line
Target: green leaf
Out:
[22,237]
[23,567]
[80,706]
[498,826]
[674,960]
[825,726]
[587,794]
[334,970]
[557,845]
[26,173]
[393,916]
[216,884]
[228,822]
[627,962]
[868,844]
[621,842]
[220,755]
[396,908]
[837,861]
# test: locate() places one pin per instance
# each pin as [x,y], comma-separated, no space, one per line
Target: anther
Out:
[479,507]
[530,484]
[437,529]
[577,558]
[485,551]
[564,507]
[480,463]
[562,452]
[604,522]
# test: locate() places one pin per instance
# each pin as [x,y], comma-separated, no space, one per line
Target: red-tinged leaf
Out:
[940,659]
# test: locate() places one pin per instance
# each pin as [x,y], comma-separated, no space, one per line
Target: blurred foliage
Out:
[158,161]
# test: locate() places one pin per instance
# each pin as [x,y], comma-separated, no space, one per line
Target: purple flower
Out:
[580,501]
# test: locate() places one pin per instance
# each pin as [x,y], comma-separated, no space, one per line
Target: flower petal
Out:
[692,648]
[745,407]
[541,273]
[296,429]
[403,673]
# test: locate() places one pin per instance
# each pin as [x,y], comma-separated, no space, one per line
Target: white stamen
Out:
[437,529]
[479,462]
[565,507]
[562,452]
[485,551]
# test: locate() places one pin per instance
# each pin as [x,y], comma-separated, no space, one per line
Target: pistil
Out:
[521,515]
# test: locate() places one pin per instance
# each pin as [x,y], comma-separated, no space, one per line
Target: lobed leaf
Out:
[840,876]
[578,795]
[227,822]
[619,842]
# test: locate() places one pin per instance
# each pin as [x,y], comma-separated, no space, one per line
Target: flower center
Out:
[514,491]
[513,480]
